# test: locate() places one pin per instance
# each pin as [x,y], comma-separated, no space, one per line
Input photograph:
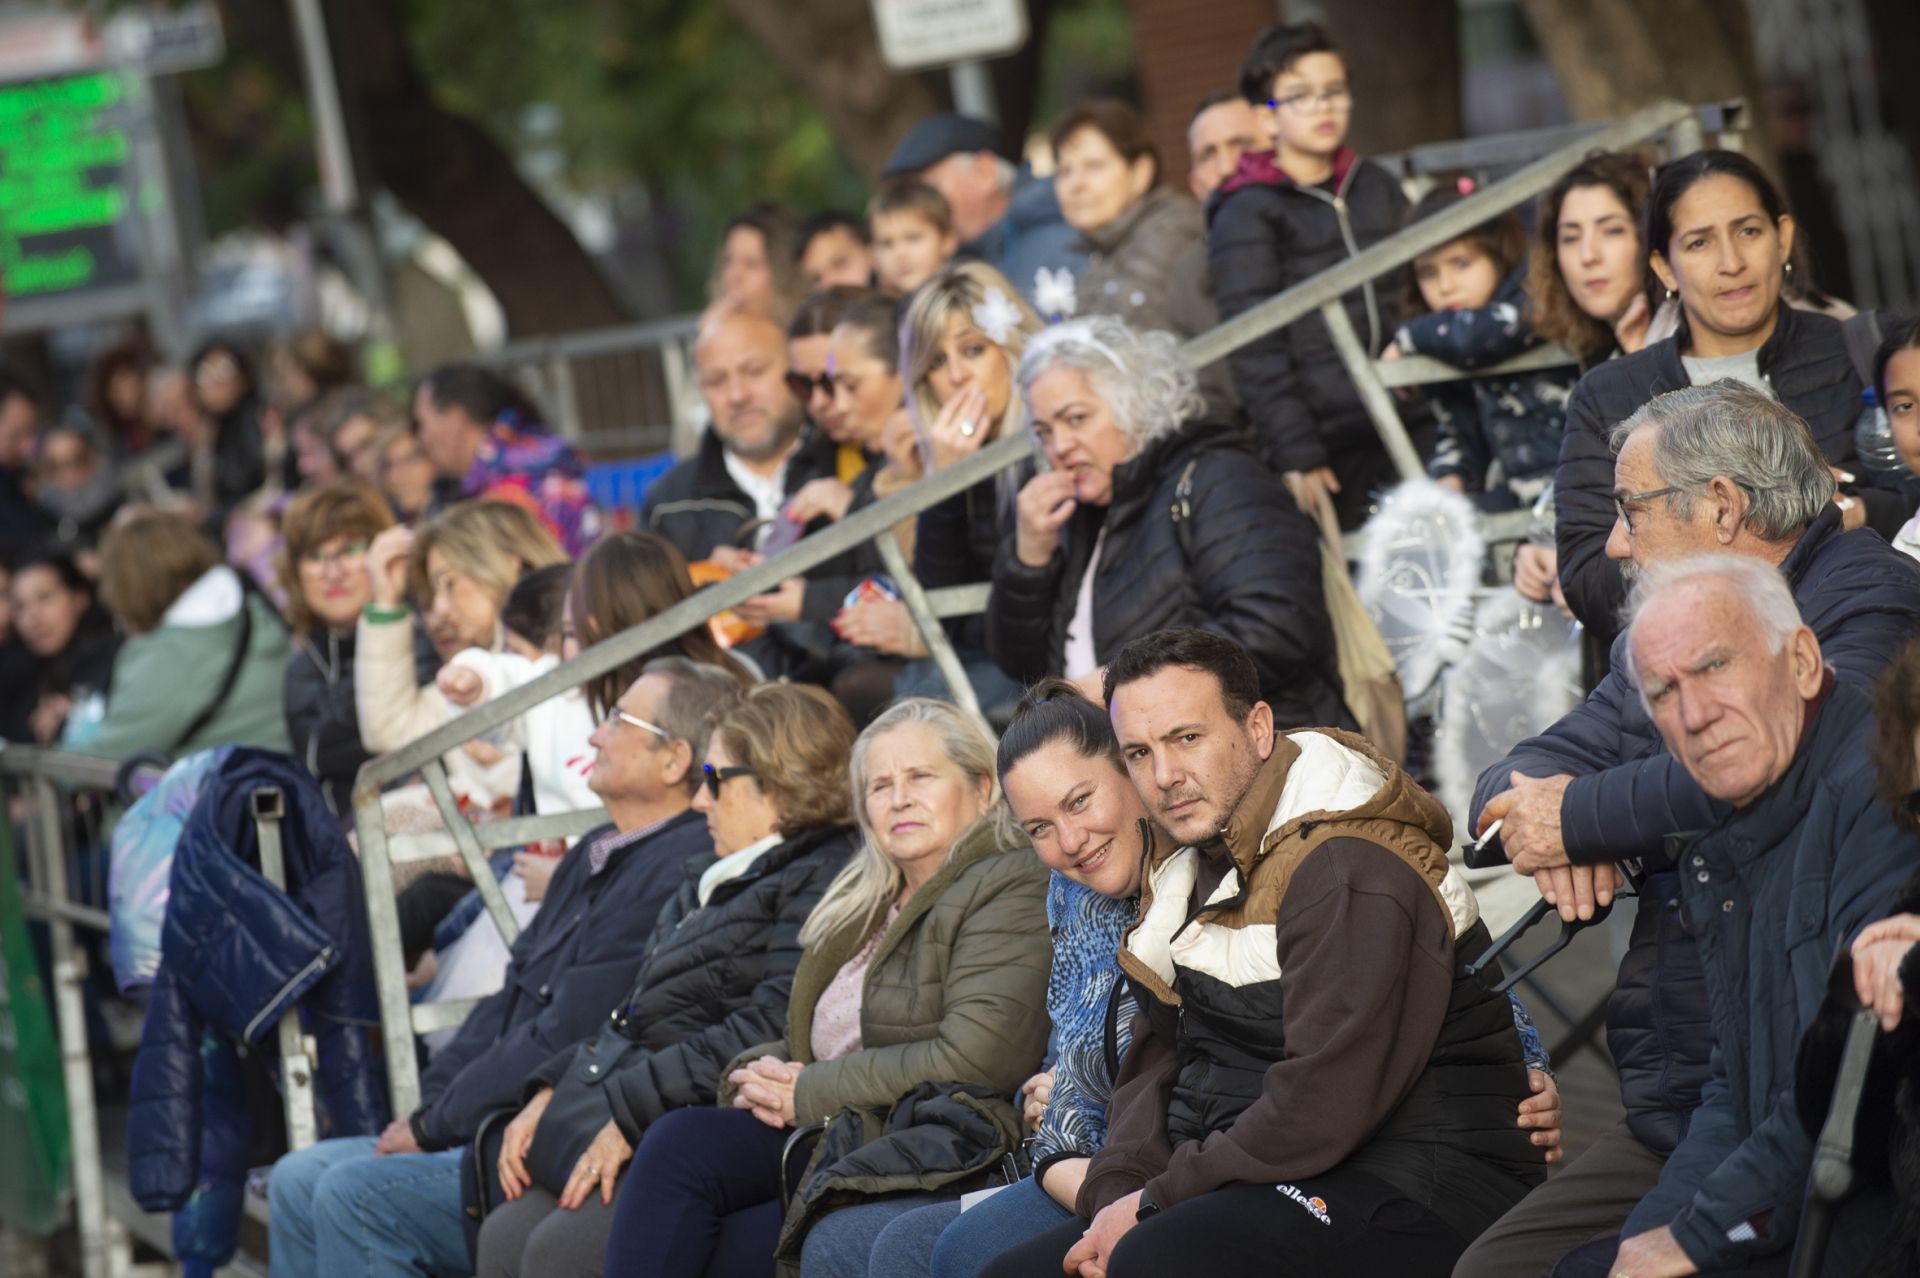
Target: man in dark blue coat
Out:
[1703,470]
[1805,858]
[360,1206]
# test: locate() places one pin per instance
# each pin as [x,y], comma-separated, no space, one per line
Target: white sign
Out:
[926,33]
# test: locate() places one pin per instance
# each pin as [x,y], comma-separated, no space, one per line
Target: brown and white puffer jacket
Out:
[1315,1011]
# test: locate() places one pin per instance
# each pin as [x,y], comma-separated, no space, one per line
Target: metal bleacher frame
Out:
[1680,124]
[108,1220]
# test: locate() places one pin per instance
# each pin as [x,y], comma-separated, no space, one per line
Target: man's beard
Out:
[779,440]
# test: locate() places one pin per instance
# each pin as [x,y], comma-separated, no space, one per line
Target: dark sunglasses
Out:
[712,777]
[803,386]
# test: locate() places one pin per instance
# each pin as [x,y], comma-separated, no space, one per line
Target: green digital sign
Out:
[64,186]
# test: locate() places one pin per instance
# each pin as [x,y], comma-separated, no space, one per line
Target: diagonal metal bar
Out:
[435,774]
[1425,235]
[688,613]
[1421,370]
[1377,398]
[959,687]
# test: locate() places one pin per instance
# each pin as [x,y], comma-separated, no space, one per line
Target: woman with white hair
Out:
[1151,516]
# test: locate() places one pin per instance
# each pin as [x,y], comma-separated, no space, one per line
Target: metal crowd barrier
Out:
[69,803]
[379,853]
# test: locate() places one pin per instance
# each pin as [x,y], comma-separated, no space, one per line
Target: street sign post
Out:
[926,33]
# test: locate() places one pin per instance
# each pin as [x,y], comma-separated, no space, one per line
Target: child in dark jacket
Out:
[1286,214]
[1499,436]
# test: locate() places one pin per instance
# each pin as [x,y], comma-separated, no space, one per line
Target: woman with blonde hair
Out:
[460,567]
[923,971]
[962,339]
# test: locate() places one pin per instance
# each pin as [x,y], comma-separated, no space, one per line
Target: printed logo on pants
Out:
[1316,1206]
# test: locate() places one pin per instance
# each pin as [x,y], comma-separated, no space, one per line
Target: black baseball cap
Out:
[938,136]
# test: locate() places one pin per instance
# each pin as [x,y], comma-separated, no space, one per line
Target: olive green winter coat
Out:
[956,993]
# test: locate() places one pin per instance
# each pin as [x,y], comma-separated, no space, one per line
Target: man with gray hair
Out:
[1717,469]
[1805,857]
[356,1205]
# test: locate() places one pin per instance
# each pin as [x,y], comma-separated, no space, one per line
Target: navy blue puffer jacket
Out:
[236,953]
[1861,598]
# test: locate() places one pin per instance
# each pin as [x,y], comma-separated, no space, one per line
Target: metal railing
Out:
[57,789]
[1322,293]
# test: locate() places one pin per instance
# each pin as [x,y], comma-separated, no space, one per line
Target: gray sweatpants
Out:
[532,1237]
[1590,1199]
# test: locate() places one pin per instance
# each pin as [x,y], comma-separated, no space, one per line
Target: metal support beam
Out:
[471,853]
[932,633]
[1377,398]
[47,854]
[296,1062]
[389,964]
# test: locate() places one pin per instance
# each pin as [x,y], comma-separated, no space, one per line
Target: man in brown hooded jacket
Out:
[1315,1085]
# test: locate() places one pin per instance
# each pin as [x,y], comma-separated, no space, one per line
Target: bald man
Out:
[752,456]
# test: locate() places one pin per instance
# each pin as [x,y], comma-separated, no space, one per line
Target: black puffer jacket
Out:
[1268,233]
[1253,574]
[715,981]
[1807,363]
[959,539]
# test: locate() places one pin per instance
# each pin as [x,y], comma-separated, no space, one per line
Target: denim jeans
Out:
[844,1243]
[1013,1215]
[338,1209]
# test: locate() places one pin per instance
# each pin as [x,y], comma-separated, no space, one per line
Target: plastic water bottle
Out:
[1873,443]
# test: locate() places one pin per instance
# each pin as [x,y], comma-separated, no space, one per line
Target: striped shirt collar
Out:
[607,844]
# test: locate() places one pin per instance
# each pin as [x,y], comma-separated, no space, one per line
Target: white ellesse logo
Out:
[1316,1206]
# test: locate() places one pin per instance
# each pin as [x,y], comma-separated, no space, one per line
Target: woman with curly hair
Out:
[1151,516]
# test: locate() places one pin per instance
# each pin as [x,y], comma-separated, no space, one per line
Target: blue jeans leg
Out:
[1013,1215]
[841,1243]
[394,1216]
[290,1192]
[904,1248]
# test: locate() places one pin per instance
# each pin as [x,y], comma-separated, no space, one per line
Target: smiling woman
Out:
[1719,242]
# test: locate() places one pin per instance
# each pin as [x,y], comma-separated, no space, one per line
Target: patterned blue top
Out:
[1086,929]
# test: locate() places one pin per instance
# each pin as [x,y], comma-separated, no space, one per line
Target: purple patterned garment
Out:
[539,471]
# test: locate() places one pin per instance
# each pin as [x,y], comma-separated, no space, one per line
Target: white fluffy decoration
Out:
[1520,674]
[1419,571]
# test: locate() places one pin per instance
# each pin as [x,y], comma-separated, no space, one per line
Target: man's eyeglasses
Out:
[803,386]
[1308,103]
[622,716]
[712,777]
[318,558]
[1621,504]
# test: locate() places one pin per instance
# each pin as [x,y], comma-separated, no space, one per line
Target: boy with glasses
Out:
[1287,213]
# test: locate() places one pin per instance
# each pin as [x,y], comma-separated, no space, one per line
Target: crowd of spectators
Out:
[1178,963]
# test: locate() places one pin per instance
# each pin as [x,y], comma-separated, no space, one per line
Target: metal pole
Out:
[434,772]
[389,965]
[296,1063]
[1377,398]
[337,178]
[46,847]
[341,186]
[959,687]
[973,91]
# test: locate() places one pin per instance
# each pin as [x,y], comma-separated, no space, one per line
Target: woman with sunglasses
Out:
[323,570]
[716,978]
[925,964]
